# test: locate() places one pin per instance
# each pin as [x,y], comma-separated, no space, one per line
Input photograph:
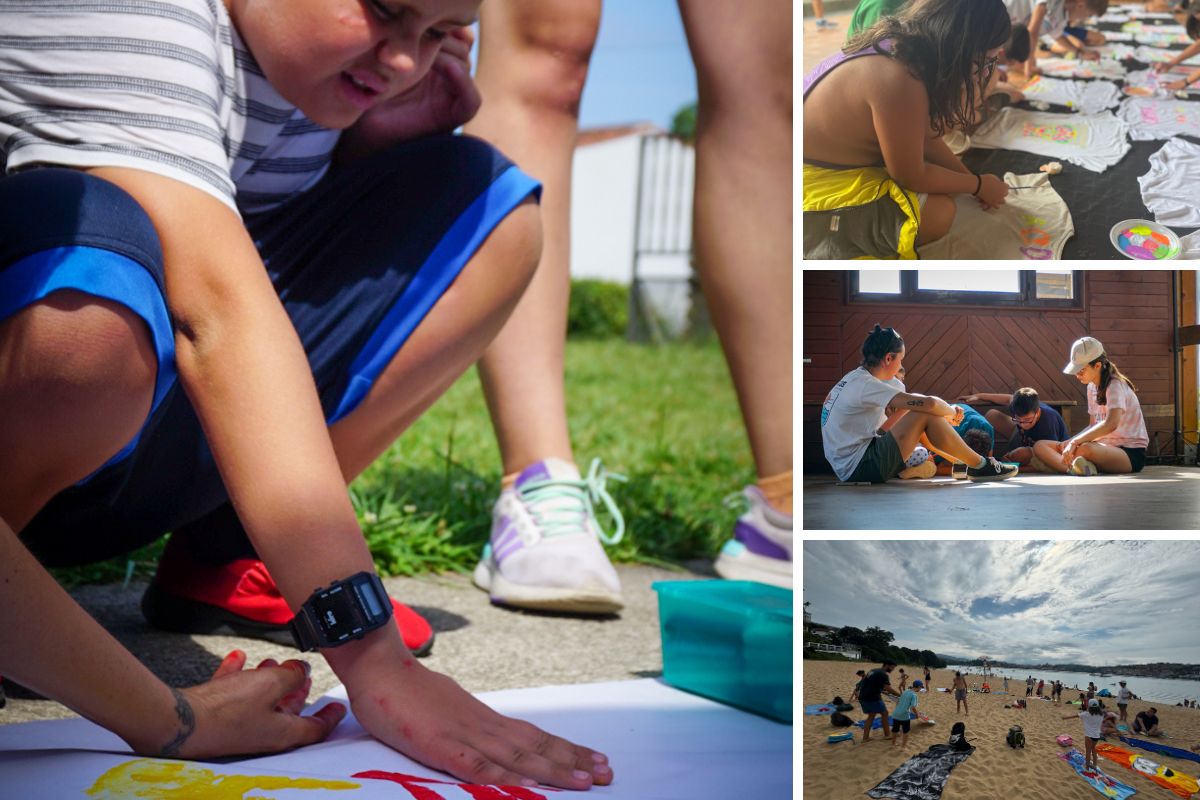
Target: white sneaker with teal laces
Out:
[761,547]
[545,549]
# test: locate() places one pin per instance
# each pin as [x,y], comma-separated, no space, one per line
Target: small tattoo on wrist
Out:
[187,724]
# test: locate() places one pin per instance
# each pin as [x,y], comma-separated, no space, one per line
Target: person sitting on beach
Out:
[858,686]
[1022,421]
[986,688]
[1146,723]
[1093,719]
[1116,440]
[1040,687]
[904,713]
[870,698]
[960,694]
[1108,725]
[855,409]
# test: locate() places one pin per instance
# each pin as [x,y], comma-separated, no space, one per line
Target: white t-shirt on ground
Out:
[1092,141]
[1132,430]
[852,413]
[1171,189]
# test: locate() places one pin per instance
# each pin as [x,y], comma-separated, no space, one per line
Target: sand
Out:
[994,771]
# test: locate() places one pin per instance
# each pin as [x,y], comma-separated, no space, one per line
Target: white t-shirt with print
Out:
[851,415]
[1091,724]
[1092,141]
[1132,430]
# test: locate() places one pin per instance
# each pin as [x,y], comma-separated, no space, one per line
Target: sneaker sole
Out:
[544,598]
[170,612]
[752,567]
[987,478]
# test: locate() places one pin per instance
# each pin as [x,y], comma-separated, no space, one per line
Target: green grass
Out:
[665,417]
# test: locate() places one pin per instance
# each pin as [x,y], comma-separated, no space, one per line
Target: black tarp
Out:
[922,777]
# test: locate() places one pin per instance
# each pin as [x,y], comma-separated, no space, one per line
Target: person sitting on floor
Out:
[1022,421]
[1146,723]
[856,408]
[1116,440]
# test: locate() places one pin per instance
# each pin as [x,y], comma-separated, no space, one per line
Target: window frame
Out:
[1025,298]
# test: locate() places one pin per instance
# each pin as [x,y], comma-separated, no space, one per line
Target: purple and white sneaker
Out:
[761,547]
[545,550]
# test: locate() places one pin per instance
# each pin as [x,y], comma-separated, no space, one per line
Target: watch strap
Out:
[304,632]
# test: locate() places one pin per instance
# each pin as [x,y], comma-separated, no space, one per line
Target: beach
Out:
[994,770]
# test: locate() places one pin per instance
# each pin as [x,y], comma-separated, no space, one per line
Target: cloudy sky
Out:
[1092,602]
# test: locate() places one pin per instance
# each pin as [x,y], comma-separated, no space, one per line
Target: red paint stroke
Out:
[477,791]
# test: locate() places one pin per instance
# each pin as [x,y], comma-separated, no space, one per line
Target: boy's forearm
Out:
[52,646]
[937,179]
[929,405]
[938,152]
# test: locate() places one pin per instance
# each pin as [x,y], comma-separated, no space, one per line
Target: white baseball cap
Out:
[1083,352]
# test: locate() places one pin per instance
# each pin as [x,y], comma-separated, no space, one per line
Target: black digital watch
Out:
[347,609]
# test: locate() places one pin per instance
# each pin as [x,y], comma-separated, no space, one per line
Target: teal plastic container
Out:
[730,641]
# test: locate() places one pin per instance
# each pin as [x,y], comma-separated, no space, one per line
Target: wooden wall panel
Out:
[953,350]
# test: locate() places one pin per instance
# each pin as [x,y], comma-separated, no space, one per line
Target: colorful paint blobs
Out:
[1141,242]
[1060,134]
[1034,239]
[179,780]
[418,788]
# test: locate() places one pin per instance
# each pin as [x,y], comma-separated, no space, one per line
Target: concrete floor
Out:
[820,44]
[482,646]
[1159,498]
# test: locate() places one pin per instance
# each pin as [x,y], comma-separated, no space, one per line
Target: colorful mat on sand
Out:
[816,711]
[922,777]
[1177,782]
[1097,779]
[1161,749]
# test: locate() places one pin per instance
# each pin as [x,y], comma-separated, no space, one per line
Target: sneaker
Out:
[959,471]
[825,25]
[926,469]
[992,470]
[545,548]
[1081,466]
[761,547]
[240,599]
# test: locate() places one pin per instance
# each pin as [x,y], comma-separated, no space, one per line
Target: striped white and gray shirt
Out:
[165,86]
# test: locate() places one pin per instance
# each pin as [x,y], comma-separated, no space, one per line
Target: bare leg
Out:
[818,9]
[1045,452]
[743,207]
[450,339]
[943,436]
[76,380]
[937,215]
[1106,457]
[533,60]
[1002,423]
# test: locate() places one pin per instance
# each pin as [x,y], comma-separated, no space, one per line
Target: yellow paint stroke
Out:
[178,780]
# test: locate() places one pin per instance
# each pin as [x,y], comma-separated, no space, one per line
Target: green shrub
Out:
[598,310]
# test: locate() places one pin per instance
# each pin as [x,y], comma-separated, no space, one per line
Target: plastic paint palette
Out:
[1144,240]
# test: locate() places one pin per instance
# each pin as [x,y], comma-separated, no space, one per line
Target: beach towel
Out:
[1092,141]
[858,213]
[834,738]
[1086,97]
[1169,188]
[1162,749]
[1151,118]
[922,777]
[876,723]
[1109,787]
[1033,224]
[1180,783]
[818,710]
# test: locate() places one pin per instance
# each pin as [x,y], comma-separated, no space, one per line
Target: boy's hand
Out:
[1163,66]
[239,712]
[429,717]
[1176,85]
[442,101]
[992,191]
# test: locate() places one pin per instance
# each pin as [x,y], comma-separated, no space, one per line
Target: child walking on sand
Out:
[878,178]
[904,713]
[1116,440]
[1092,718]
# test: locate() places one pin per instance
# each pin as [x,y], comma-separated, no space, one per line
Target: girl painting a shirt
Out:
[1116,440]
[878,178]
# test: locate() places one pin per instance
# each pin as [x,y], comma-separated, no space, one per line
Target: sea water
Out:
[1168,691]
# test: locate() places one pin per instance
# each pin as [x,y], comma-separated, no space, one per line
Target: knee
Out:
[77,356]
[936,218]
[517,242]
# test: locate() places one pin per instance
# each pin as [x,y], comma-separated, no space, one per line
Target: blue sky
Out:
[1094,602]
[641,68]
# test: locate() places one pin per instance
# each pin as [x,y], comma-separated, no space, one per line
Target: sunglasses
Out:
[989,67]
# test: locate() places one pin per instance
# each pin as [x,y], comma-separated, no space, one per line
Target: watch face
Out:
[336,613]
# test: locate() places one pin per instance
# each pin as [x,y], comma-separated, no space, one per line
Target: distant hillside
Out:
[1155,670]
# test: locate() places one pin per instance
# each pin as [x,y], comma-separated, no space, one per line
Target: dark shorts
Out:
[1137,457]
[898,725]
[873,707]
[358,261]
[1079,33]
[880,461]
[960,694]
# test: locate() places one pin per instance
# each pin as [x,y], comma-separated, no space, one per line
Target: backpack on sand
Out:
[839,720]
[1015,737]
[958,737]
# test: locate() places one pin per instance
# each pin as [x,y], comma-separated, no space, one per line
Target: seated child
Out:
[1023,421]
[1013,58]
[855,409]
[868,12]
[1054,19]
[878,179]
[1193,30]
